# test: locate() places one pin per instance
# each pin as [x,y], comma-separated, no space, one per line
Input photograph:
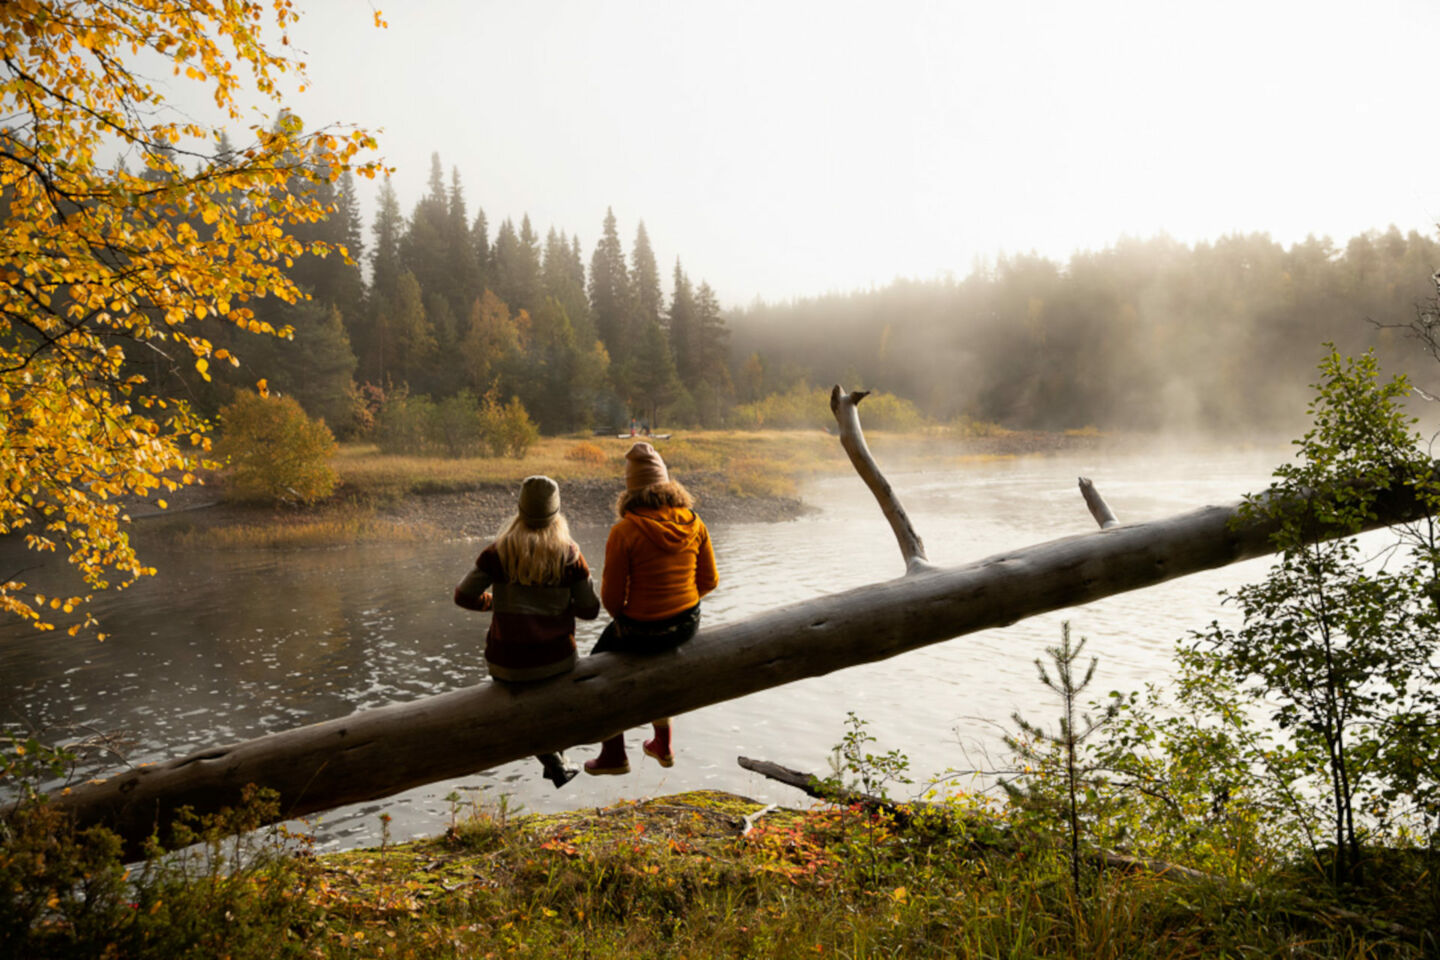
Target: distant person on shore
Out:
[658,564]
[535,582]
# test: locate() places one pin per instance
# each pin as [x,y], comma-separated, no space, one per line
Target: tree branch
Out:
[844,406]
[1099,509]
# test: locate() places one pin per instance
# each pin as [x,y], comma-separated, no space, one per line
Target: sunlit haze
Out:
[789,149]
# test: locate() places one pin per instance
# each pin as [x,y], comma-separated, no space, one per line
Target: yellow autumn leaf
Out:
[82,427]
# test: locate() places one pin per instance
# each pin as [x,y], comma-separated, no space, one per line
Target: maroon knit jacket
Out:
[532,627]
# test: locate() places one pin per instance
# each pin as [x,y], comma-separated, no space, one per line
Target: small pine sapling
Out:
[1040,751]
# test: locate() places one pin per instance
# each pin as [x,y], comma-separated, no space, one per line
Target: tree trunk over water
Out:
[379,752]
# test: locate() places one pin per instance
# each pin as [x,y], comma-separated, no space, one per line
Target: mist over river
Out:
[224,646]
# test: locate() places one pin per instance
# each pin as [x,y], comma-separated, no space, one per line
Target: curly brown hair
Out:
[668,494]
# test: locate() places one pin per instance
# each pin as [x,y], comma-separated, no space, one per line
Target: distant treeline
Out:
[1144,335]
[451,311]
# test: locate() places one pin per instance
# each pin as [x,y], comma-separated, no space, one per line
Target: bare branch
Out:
[1099,509]
[843,405]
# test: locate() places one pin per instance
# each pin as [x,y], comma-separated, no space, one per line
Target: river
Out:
[225,646]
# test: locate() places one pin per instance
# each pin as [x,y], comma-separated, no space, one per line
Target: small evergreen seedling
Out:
[1036,748]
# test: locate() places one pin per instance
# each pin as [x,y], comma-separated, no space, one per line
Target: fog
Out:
[1148,335]
[801,148]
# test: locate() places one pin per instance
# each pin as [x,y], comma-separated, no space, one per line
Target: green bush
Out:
[275,452]
[804,407]
[456,426]
[507,429]
[800,407]
[402,423]
[885,411]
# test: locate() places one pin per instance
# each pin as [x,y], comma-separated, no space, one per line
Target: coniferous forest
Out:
[442,306]
[441,311]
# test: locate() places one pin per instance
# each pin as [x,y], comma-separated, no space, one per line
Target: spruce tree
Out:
[609,290]
[480,252]
[650,374]
[714,338]
[508,279]
[531,289]
[426,251]
[385,269]
[460,260]
[562,283]
[684,329]
[644,281]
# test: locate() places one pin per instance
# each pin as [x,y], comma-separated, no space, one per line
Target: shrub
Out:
[402,424]
[369,399]
[804,407]
[885,411]
[275,451]
[507,429]
[586,453]
[800,407]
[967,427]
[455,426]
[757,478]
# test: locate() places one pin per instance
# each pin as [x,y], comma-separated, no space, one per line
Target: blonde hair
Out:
[670,493]
[535,556]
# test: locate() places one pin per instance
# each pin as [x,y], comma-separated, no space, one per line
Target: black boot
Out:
[557,769]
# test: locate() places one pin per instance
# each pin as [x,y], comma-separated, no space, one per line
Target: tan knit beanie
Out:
[539,501]
[643,467]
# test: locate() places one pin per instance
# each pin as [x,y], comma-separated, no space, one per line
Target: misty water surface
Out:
[229,645]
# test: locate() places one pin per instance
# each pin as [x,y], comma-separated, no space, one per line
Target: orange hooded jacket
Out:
[658,563]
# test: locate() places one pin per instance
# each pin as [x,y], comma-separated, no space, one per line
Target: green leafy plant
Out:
[1338,651]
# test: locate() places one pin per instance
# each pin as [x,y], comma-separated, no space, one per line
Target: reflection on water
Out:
[230,645]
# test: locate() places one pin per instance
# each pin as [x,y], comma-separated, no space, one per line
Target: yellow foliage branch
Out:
[96,259]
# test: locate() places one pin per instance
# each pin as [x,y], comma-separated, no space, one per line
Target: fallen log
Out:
[376,753]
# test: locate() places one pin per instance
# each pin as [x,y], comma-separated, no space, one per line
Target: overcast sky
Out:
[787,149]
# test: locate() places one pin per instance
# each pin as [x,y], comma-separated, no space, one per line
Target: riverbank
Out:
[736,476]
[693,875]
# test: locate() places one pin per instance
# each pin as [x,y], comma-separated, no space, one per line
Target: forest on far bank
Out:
[440,316]
[1144,335]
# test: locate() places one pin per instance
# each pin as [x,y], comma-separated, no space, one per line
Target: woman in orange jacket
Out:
[658,564]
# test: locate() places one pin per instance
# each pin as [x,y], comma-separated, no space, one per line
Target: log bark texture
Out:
[379,752]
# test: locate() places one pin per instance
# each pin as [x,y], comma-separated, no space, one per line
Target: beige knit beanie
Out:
[539,501]
[643,467]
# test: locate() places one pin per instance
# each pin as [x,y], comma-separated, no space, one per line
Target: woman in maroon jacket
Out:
[534,582]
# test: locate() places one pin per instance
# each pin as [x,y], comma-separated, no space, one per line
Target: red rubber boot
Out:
[659,748]
[612,761]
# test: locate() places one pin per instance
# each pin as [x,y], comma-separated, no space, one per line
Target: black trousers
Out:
[624,635]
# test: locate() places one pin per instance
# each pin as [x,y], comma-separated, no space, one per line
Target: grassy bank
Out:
[760,463]
[681,876]
[738,475]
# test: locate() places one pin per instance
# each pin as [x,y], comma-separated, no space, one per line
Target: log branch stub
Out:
[813,786]
[1099,509]
[845,408]
[904,813]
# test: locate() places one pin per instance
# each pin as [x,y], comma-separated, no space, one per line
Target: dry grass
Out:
[317,532]
[759,463]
